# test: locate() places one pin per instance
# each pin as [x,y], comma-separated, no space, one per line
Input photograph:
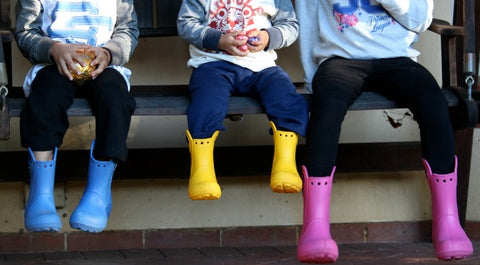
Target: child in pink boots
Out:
[347,46]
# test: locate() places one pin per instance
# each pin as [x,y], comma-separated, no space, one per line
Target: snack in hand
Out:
[86,71]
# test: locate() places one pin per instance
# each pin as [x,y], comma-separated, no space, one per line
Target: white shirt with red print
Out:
[201,23]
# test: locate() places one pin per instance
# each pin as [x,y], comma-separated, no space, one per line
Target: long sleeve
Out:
[284,30]
[359,30]
[307,14]
[201,23]
[31,40]
[34,40]
[192,28]
[125,34]
[415,15]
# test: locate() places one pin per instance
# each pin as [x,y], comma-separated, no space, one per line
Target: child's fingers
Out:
[240,40]
[240,51]
[97,71]
[77,58]
[100,66]
[63,68]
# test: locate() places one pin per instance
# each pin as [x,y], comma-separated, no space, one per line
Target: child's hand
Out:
[257,40]
[231,41]
[65,57]
[101,61]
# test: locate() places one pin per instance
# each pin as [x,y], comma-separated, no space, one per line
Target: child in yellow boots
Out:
[232,48]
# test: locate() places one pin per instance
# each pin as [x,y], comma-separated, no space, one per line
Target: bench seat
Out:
[164,101]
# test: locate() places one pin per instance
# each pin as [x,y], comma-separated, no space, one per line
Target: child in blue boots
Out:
[232,49]
[54,36]
[347,46]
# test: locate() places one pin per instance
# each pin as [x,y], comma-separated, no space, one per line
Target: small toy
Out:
[252,39]
[86,70]
[244,47]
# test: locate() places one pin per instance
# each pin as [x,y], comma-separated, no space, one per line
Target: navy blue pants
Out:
[212,83]
[44,120]
[338,82]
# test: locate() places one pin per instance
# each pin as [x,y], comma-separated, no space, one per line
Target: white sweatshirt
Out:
[111,24]
[202,22]
[359,29]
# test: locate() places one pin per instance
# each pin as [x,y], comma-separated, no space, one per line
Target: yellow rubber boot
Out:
[285,177]
[203,182]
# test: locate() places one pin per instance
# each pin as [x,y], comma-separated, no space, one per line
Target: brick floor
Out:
[357,254]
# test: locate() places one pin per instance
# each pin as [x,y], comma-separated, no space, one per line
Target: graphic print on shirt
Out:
[349,14]
[231,15]
[78,22]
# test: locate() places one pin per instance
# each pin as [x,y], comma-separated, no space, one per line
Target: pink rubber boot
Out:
[316,244]
[449,239]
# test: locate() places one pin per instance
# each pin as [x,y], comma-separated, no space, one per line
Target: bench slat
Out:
[153,105]
[144,9]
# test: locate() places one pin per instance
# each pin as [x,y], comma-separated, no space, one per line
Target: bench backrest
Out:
[5,21]
[157,17]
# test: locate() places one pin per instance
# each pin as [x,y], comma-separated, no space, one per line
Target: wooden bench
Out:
[158,19]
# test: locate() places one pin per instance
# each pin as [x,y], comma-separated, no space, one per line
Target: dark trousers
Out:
[44,120]
[211,85]
[338,82]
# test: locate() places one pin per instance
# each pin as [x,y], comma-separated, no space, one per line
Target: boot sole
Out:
[317,259]
[285,188]
[320,251]
[454,249]
[206,197]
[285,182]
[86,228]
[46,229]
[455,255]
[204,191]
[324,256]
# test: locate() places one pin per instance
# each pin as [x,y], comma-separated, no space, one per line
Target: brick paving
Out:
[355,254]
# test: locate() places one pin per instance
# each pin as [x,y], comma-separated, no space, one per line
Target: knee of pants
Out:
[203,122]
[111,97]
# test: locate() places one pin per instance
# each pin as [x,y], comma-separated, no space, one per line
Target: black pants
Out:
[44,120]
[338,82]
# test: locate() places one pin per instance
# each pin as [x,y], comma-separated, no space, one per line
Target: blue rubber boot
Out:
[40,212]
[91,214]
